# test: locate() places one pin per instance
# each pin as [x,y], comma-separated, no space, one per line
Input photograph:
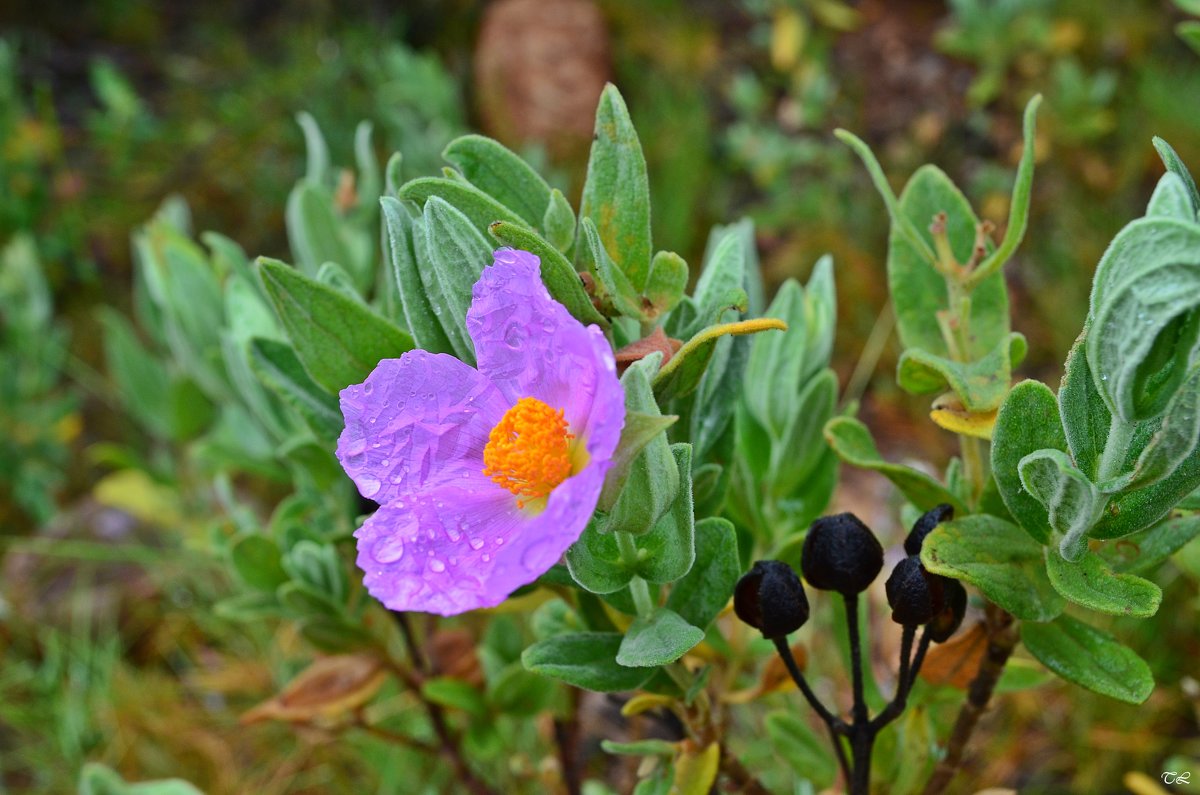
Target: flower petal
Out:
[528,344]
[437,551]
[417,422]
[451,549]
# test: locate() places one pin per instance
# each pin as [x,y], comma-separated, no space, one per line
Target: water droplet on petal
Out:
[369,486]
[368,388]
[476,543]
[437,566]
[486,557]
[388,549]
[453,534]
[385,462]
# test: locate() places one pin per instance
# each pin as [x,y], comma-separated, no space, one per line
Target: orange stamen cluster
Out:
[529,450]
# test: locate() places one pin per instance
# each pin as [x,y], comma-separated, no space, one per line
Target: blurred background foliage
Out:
[110,649]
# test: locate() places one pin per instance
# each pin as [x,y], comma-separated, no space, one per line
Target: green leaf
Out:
[256,559]
[613,285]
[518,692]
[801,748]
[1146,301]
[560,278]
[585,659]
[680,376]
[500,173]
[720,286]
[184,288]
[335,636]
[668,551]
[400,232]
[455,694]
[1177,437]
[141,381]
[455,255]
[652,480]
[98,779]
[616,193]
[317,151]
[706,589]
[995,556]
[1085,416]
[660,638]
[981,383]
[664,554]
[1090,658]
[558,223]
[369,179]
[1171,199]
[1089,582]
[338,340]
[640,748]
[1027,422]
[1169,157]
[314,230]
[1189,31]
[1135,510]
[852,442]
[1143,551]
[802,445]
[1071,500]
[777,360]
[665,285]
[1018,213]
[639,431]
[919,291]
[481,209]
[277,365]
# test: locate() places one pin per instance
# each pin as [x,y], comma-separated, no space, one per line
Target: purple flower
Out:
[485,476]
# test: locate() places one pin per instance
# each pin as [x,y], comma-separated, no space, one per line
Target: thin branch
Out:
[1002,639]
[834,724]
[900,699]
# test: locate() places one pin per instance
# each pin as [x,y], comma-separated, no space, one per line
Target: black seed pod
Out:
[950,617]
[914,594]
[924,526]
[770,598]
[841,554]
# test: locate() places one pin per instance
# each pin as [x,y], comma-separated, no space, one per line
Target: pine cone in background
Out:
[540,66]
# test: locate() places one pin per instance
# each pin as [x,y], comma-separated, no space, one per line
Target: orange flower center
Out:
[529,450]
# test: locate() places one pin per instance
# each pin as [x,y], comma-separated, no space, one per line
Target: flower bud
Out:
[770,598]
[914,594]
[950,617]
[841,554]
[924,526]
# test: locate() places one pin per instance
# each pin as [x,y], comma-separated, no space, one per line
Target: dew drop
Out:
[385,462]
[453,561]
[437,566]
[369,486]
[514,336]
[476,543]
[485,557]
[453,534]
[368,388]
[389,549]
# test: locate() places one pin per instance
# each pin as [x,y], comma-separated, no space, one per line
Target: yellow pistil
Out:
[529,450]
